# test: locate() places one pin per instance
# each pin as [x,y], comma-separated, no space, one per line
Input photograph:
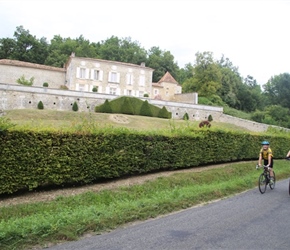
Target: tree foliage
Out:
[161,62]
[24,47]
[121,50]
[278,89]
[206,79]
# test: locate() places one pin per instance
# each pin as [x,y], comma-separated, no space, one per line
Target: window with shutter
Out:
[96,74]
[142,81]
[129,79]
[82,73]
[114,77]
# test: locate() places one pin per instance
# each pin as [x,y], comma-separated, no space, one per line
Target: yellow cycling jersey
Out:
[266,153]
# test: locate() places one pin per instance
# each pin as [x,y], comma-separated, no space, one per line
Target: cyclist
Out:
[266,154]
[288,155]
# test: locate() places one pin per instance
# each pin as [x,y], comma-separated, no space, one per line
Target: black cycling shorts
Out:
[271,165]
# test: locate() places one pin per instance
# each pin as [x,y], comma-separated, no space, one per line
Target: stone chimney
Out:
[142,64]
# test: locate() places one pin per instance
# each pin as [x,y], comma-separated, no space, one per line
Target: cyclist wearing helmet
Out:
[267,156]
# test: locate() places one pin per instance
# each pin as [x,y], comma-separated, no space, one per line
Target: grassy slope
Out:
[66,120]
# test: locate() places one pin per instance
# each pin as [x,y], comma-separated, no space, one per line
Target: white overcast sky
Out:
[253,34]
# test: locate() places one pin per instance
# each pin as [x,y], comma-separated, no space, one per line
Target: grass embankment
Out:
[80,121]
[67,218]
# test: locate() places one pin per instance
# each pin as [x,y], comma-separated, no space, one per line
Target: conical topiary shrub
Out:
[145,109]
[75,107]
[40,105]
[106,107]
[127,107]
[186,117]
[163,113]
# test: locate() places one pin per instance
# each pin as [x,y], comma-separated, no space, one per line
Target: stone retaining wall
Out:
[24,97]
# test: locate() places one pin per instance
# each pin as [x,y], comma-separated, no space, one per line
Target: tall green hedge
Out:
[132,106]
[35,159]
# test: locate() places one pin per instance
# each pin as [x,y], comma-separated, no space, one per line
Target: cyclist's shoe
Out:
[271,180]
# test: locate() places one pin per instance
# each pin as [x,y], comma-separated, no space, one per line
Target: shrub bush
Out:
[5,124]
[95,89]
[63,87]
[204,124]
[75,107]
[25,82]
[40,105]
[45,84]
[186,117]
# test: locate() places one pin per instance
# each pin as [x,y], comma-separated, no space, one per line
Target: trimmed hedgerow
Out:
[133,105]
[127,107]
[36,159]
[163,113]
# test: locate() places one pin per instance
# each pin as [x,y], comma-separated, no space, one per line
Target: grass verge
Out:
[41,224]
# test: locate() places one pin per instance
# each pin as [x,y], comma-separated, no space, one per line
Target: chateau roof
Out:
[167,78]
[29,65]
[72,57]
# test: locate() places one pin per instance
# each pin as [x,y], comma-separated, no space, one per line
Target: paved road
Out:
[247,221]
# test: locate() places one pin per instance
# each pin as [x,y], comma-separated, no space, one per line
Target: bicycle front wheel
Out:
[272,185]
[262,183]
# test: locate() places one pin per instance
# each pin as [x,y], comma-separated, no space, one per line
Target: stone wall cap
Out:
[29,65]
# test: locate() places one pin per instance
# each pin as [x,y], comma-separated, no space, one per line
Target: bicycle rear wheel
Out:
[274,181]
[262,183]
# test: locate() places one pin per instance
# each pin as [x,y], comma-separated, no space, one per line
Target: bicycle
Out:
[288,159]
[264,180]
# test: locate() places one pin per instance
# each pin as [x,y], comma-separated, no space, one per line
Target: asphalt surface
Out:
[249,220]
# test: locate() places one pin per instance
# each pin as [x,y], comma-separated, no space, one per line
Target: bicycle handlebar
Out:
[265,167]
